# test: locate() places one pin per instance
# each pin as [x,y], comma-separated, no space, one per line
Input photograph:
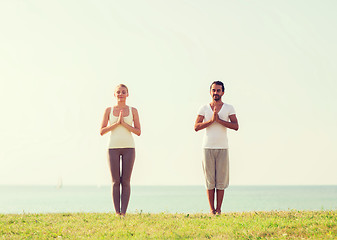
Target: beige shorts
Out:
[216,168]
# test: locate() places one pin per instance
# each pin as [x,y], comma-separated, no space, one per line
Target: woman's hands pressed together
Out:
[120,117]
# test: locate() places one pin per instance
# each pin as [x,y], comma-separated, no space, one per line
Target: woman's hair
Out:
[122,85]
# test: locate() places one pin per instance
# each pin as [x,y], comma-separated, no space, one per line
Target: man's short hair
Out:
[218,83]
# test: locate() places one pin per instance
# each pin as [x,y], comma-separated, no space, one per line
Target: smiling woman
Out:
[121,121]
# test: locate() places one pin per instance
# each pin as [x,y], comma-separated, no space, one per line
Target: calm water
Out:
[170,199]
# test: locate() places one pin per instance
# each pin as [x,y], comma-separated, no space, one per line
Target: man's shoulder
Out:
[202,109]
[228,107]
[205,106]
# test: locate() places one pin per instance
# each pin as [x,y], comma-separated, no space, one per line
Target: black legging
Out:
[127,155]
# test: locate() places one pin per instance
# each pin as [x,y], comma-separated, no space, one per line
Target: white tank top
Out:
[121,137]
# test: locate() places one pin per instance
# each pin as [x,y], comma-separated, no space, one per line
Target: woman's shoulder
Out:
[133,109]
[108,109]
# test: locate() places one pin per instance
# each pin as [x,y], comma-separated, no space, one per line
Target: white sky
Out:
[61,60]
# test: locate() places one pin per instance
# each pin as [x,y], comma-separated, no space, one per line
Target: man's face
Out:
[216,92]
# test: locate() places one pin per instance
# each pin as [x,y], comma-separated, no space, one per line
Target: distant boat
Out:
[59,183]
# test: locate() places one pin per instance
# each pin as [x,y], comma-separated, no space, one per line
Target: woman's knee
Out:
[116,182]
[125,182]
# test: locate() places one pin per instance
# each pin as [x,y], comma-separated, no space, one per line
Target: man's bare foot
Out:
[122,214]
[212,212]
[218,212]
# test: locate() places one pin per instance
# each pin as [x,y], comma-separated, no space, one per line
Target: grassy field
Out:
[249,225]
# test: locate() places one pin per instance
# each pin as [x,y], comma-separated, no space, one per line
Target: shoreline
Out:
[168,213]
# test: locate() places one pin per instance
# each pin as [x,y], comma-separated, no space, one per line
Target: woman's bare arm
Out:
[136,128]
[104,127]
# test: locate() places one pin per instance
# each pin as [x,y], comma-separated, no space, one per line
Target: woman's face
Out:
[121,93]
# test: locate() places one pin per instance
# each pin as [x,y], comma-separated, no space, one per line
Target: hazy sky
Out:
[61,60]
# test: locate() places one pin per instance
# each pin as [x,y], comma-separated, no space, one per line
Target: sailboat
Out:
[59,183]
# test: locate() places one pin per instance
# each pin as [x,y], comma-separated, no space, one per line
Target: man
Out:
[216,117]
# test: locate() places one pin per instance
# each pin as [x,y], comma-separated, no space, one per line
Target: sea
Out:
[164,199]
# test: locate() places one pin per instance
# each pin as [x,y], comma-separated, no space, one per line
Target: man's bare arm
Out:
[233,124]
[199,124]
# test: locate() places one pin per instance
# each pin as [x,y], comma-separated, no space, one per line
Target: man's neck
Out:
[216,103]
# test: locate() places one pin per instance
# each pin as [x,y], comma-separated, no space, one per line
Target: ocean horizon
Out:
[18,199]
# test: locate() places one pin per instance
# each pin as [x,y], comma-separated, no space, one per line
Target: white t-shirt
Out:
[216,134]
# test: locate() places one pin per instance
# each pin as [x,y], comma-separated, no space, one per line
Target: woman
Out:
[121,120]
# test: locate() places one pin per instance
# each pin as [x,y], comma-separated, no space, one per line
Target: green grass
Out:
[249,225]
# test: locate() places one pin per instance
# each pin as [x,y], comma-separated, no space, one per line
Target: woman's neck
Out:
[121,104]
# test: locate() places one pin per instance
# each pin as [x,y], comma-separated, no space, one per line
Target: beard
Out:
[216,97]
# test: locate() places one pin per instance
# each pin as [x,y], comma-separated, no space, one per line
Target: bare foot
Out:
[213,212]
[218,212]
